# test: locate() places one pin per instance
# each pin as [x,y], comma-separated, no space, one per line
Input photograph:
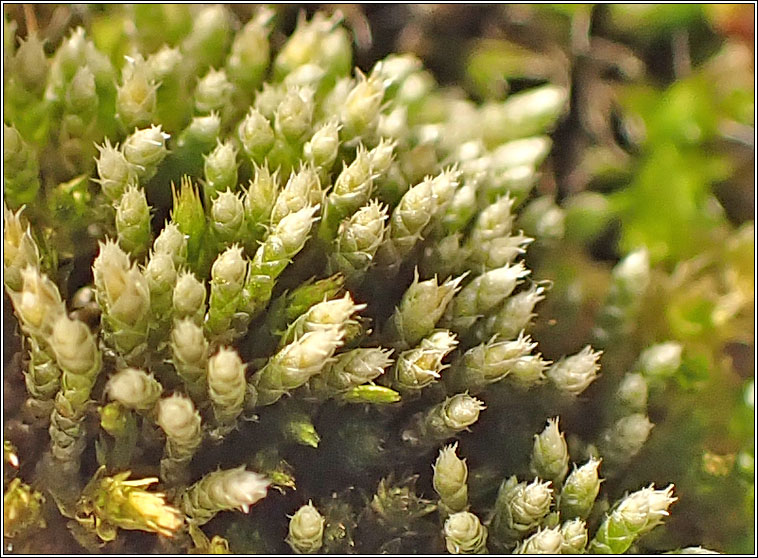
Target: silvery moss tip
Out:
[145,149]
[550,456]
[575,537]
[226,385]
[134,389]
[574,374]
[465,534]
[635,515]
[223,490]
[306,530]
[442,421]
[544,541]
[519,509]
[580,490]
[450,478]
[418,367]
[624,439]
[660,361]
[19,248]
[421,307]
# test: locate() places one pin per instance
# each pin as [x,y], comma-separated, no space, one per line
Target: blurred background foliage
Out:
[656,150]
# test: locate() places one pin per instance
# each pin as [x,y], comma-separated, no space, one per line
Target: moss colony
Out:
[269,302]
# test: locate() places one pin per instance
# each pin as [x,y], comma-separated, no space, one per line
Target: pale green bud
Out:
[632,274]
[110,260]
[136,96]
[529,370]
[522,152]
[520,508]
[637,514]
[575,373]
[490,362]
[465,534]
[516,314]
[134,389]
[255,135]
[302,189]
[77,354]
[495,221]
[575,537]
[418,367]
[393,124]
[395,68]
[306,530]
[178,418]
[360,112]
[415,88]
[550,456]
[322,148]
[407,223]
[632,392]
[483,294]
[543,219]
[324,315]
[524,114]
[354,368]
[226,384]
[228,216]
[660,361]
[580,490]
[294,114]
[443,421]
[293,229]
[544,541]
[422,305]
[450,477]
[172,242]
[228,275]
[160,274]
[201,134]
[181,422]
[220,170]
[30,63]
[213,92]
[625,438]
[294,365]
[38,305]
[133,221]
[145,149]
[189,297]
[258,201]
[249,56]
[352,189]
[81,96]
[19,248]
[207,43]
[268,99]
[358,239]
[382,155]
[223,490]
[189,348]
[307,75]
[163,63]
[461,208]
[444,186]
